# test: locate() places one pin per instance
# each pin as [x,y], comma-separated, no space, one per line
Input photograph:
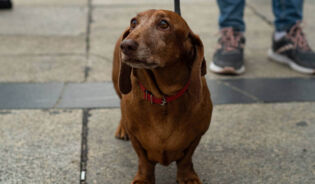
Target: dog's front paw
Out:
[190,179]
[140,182]
[140,179]
[121,133]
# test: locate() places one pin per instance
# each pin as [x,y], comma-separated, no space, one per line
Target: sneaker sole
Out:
[285,60]
[226,70]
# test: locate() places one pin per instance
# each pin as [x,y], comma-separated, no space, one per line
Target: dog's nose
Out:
[128,46]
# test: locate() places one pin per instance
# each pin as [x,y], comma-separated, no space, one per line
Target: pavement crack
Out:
[60,96]
[88,27]
[100,57]
[87,68]
[240,91]
[259,15]
[84,145]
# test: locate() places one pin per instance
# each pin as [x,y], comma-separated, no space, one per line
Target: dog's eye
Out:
[163,24]
[133,23]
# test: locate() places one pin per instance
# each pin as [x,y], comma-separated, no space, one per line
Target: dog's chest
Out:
[164,137]
[165,132]
[165,144]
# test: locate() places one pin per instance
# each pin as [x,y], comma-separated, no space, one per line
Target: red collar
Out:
[162,101]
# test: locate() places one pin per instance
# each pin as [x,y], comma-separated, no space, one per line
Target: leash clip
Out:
[163,101]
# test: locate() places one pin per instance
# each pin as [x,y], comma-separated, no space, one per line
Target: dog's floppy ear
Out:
[198,67]
[124,81]
[124,78]
[203,67]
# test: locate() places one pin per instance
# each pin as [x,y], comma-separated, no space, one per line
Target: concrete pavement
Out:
[40,146]
[261,143]
[47,41]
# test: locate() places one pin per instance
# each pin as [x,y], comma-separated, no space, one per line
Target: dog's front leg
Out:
[121,132]
[145,174]
[185,170]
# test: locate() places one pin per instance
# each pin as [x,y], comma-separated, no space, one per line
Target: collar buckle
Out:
[151,98]
[163,101]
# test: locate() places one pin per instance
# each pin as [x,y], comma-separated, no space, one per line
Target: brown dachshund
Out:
[158,72]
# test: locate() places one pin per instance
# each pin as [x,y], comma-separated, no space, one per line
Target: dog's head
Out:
[158,38]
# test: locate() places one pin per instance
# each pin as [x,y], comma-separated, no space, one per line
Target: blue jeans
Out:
[286,12]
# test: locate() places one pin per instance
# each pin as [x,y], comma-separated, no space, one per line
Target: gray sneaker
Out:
[294,50]
[229,55]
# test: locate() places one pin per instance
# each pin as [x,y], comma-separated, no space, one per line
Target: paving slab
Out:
[263,8]
[88,95]
[276,90]
[223,93]
[110,165]
[43,30]
[103,95]
[44,21]
[49,2]
[260,143]
[39,45]
[29,96]
[42,68]
[100,68]
[40,146]
[123,2]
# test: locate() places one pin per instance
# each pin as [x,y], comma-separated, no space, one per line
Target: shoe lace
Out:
[230,39]
[297,36]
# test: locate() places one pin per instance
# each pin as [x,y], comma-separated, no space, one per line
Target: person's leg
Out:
[231,14]
[229,55]
[289,44]
[287,13]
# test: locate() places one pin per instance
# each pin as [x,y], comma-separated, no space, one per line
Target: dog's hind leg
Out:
[121,132]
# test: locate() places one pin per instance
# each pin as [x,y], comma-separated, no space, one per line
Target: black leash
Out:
[177,6]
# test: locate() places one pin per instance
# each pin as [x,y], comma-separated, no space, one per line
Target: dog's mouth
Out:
[136,63]
[141,64]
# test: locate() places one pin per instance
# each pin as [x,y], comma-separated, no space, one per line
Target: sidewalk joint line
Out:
[84,145]
[259,15]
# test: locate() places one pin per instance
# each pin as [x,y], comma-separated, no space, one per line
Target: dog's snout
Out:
[128,46]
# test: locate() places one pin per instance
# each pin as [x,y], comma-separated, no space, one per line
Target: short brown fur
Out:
[164,61]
